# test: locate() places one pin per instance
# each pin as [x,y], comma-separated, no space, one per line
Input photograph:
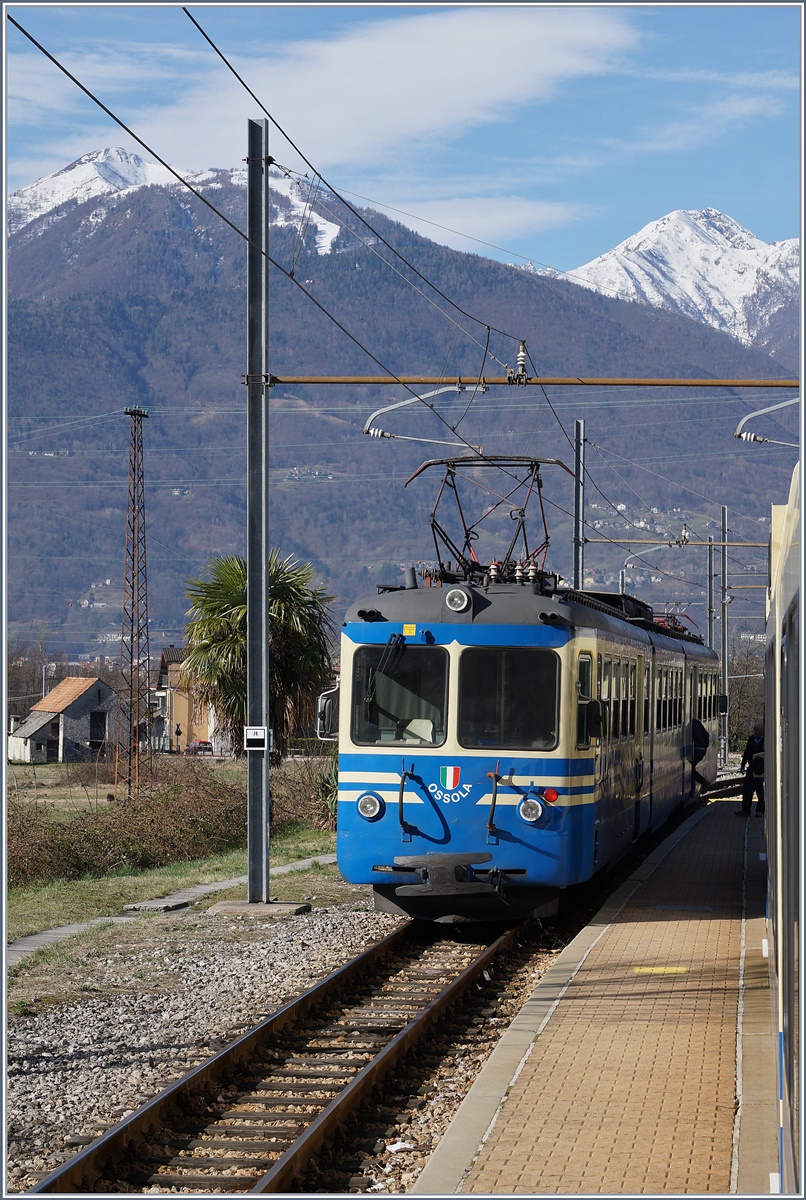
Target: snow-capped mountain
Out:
[101,173]
[708,267]
[701,264]
[113,172]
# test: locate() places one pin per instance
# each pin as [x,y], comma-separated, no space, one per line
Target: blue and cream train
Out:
[501,740]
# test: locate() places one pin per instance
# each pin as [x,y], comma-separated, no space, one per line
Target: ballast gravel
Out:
[166,1000]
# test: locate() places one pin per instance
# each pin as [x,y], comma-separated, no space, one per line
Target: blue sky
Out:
[552,132]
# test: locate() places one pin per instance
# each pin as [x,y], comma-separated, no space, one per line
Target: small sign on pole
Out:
[254,737]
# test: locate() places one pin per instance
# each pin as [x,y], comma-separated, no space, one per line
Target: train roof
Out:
[523,603]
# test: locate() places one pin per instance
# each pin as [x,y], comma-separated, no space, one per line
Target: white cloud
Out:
[460,220]
[761,80]
[708,122]
[397,86]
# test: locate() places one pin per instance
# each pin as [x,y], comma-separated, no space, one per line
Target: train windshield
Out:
[508,698]
[399,695]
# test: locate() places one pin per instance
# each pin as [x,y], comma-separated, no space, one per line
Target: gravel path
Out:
[156,1004]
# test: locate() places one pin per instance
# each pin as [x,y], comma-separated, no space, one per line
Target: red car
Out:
[198,748]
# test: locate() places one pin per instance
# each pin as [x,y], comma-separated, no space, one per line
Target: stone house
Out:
[75,721]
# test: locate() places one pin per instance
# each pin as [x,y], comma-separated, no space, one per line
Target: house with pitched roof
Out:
[75,721]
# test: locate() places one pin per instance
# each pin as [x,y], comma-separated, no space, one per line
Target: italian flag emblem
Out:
[449,777]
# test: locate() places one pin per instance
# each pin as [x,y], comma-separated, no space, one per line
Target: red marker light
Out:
[551,795]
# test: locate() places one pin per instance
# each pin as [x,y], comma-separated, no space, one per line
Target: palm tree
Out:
[300,633]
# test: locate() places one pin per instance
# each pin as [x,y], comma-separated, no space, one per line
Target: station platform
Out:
[645,1061]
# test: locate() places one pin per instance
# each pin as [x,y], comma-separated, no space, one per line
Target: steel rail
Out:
[293,1162]
[88,1165]
[723,788]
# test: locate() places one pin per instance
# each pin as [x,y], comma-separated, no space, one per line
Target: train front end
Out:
[459,798]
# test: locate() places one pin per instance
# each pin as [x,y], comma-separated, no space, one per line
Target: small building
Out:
[177,720]
[75,721]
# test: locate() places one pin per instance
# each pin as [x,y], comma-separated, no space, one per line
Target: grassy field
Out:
[63,902]
[73,799]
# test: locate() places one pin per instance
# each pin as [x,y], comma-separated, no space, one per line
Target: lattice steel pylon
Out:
[133,714]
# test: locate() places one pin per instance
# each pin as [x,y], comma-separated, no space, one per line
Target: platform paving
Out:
[21,947]
[644,1061]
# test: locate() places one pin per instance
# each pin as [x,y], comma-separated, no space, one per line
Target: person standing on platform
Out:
[753,770]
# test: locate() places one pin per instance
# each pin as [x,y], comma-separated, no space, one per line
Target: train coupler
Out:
[442,874]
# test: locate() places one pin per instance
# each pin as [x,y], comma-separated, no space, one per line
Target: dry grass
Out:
[35,907]
[189,810]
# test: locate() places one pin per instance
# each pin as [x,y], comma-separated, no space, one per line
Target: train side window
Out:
[632,699]
[605,695]
[659,698]
[678,697]
[647,696]
[625,699]
[584,697]
[667,698]
[616,685]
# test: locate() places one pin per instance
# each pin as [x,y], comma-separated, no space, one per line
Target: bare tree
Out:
[745,689]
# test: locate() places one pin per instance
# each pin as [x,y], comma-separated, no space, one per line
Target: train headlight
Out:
[457,600]
[370,806]
[530,810]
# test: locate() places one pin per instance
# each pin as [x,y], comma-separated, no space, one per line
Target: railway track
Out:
[729,785]
[254,1116]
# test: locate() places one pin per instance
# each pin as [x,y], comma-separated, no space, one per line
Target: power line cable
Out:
[675,482]
[549,271]
[368,246]
[333,190]
[241,234]
[585,468]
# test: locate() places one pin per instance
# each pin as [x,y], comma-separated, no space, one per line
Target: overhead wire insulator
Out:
[520,374]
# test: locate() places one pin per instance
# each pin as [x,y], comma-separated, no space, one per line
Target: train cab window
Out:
[399,695]
[584,696]
[508,698]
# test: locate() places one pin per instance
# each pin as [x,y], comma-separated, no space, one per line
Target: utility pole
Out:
[711,593]
[579,505]
[134,646]
[723,741]
[257,739]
